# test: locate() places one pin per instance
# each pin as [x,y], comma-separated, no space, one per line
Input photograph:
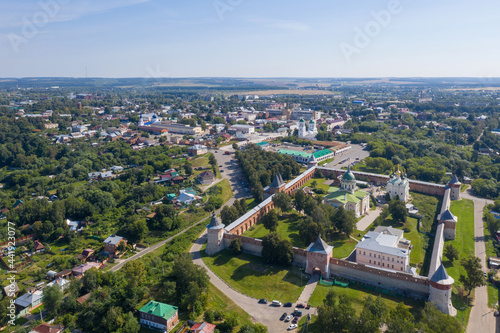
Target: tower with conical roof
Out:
[215,235]
[318,255]
[440,291]
[450,223]
[454,184]
[141,121]
[277,184]
[312,162]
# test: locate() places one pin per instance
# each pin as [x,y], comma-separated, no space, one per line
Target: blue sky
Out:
[249,38]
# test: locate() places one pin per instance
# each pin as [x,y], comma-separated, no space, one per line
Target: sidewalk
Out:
[368,219]
[308,289]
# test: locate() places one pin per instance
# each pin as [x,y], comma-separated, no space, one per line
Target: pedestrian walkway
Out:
[309,289]
[368,219]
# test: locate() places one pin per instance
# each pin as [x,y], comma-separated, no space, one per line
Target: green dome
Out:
[302,120]
[348,175]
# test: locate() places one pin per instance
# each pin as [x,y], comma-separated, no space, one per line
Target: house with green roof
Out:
[303,157]
[348,196]
[158,315]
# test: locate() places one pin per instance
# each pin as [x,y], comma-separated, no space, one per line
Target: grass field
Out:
[319,184]
[288,229]
[464,243]
[359,295]
[493,291]
[250,276]
[428,206]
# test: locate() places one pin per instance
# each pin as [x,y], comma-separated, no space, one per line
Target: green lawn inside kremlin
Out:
[464,243]
[250,276]
[288,229]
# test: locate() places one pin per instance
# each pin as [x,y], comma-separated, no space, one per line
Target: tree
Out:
[450,252]
[228,215]
[253,328]
[188,168]
[309,230]
[236,246]
[212,160]
[135,271]
[400,320]
[270,220]
[235,146]
[474,274]
[276,250]
[53,298]
[337,313]
[299,200]
[372,316]
[434,321]
[397,208]
[344,221]
[90,280]
[283,201]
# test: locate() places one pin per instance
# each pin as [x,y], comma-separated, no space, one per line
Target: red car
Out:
[295,320]
[300,306]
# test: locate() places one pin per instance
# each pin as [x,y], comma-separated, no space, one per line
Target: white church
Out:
[308,132]
[398,185]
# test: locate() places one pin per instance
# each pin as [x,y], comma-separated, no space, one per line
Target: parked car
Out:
[308,306]
[295,320]
[262,301]
[292,327]
[287,319]
[300,306]
[283,316]
[276,303]
[287,305]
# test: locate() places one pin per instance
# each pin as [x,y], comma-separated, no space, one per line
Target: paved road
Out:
[481,316]
[265,314]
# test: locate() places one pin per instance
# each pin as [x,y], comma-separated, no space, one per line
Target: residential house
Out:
[64,273]
[117,169]
[80,270]
[111,243]
[27,302]
[202,328]
[206,177]
[158,315]
[38,247]
[46,328]
[85,255]
[83,299]
[61,282]
[11,290]
[197,150]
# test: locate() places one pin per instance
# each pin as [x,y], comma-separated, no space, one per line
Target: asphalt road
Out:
[262,313]
[481,317]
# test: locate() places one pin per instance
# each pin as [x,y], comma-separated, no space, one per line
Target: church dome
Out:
[302,120]
[348,175]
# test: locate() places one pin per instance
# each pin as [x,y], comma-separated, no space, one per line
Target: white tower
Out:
[302,128]
[440,291]
[454,184]
[215,235]
[141,121]
[312,130]
[154,119]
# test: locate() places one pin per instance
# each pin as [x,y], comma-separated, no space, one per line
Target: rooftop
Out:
[158,309]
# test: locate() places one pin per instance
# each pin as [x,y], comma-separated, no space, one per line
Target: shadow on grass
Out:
[249,269]
[294,279]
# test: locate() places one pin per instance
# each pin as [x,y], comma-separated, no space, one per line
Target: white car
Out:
[292,327]
[288,318]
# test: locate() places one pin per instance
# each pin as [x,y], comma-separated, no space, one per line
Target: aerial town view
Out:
[232,166]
